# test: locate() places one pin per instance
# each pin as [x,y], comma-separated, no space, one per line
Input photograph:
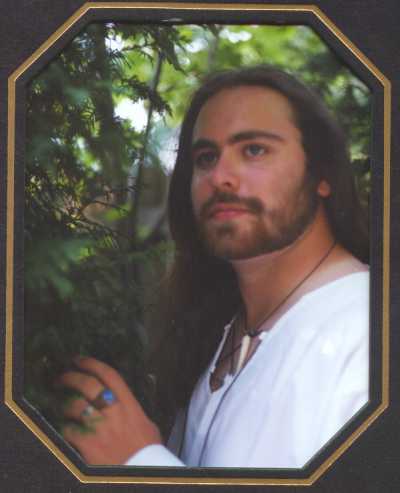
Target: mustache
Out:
[252,204]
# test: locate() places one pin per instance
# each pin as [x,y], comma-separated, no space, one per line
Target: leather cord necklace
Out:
[250,334]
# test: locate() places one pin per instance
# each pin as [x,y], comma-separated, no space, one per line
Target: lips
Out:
[226,211]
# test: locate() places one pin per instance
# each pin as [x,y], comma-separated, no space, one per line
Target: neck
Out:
[266,280]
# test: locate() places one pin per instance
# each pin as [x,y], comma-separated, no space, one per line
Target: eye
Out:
[254,150]
[205,159]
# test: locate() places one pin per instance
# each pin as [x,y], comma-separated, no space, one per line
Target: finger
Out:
[81,410]
[94,446]
[88,385]
[110,377]
[77,436]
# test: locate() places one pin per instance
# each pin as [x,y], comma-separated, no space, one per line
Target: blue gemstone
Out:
[108,396]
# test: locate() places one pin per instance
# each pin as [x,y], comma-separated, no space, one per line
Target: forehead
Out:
[242,108]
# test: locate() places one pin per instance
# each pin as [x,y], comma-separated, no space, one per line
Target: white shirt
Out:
[307,379]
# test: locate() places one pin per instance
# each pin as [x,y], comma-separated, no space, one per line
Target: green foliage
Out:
[96,243]
[85,251]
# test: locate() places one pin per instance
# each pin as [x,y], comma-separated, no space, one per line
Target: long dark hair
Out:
[202,294]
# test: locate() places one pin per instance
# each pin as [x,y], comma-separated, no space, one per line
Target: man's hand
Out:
[116,429]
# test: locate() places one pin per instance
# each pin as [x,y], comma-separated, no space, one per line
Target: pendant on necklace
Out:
[244,349]
[216,382]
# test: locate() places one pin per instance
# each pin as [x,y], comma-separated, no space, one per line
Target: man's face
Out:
[250,190]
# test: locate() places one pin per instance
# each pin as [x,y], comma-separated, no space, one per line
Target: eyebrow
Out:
[245,135]
[252,134]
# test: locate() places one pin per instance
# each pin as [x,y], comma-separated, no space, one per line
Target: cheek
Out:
[262,183]
[274,188]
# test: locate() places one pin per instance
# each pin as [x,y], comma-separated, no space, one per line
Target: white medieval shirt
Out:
[307,379]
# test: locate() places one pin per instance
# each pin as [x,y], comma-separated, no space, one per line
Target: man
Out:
[266,348]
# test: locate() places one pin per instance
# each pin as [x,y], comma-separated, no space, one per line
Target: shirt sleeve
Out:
[154,455]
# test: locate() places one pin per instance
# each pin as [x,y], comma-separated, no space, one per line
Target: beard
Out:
[266,231]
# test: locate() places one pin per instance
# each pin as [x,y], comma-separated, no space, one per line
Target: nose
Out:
[224,174]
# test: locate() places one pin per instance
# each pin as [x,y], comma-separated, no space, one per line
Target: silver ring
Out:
[88,411]
[104,399]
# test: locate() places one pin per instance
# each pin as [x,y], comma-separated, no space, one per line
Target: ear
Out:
[323,189]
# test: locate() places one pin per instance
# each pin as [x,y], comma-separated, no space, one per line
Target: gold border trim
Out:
[10,241]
